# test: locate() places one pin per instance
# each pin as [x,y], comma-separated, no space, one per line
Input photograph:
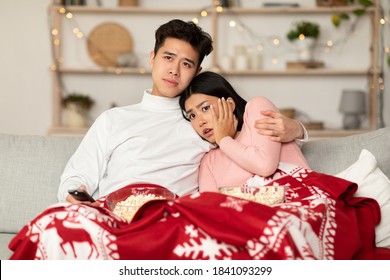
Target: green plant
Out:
[81,100]
[362,6]
[304,29]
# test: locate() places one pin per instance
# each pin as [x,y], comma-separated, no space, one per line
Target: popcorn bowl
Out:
[126,201]
[267,195]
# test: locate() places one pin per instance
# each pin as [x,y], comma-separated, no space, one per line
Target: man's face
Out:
[173,67]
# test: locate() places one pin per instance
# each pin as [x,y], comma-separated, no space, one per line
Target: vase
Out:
[240,58]
[226,62]
[75,116]
[127,59]
[305,49]
[256,60]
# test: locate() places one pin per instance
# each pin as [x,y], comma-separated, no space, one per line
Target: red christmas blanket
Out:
[321,219]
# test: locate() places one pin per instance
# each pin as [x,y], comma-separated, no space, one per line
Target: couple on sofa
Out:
[151,141]
[113,153]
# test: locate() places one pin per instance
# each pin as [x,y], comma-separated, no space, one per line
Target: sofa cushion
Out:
[374,184]
[332,155]
[30,170]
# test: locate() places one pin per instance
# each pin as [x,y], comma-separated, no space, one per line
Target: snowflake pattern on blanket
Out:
[320,219]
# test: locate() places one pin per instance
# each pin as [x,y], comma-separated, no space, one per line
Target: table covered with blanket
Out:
[320,219]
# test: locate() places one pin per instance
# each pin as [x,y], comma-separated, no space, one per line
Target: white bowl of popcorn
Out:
[268,195]
[126,201]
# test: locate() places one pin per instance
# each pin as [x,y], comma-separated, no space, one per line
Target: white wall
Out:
[25,87]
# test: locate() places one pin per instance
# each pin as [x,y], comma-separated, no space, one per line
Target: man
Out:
[150,141]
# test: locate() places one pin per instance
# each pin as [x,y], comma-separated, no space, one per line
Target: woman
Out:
[220,116]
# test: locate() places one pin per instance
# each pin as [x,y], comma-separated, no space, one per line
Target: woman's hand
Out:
[225,123]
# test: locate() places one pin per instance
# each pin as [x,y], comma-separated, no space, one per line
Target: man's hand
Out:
[71,199]
[279,127]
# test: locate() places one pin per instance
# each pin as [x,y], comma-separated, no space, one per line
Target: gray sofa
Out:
[30,168]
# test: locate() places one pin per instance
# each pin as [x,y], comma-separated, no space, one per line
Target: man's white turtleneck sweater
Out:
[146,142]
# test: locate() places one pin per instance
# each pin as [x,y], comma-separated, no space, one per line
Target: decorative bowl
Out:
[126,201]
[268,195]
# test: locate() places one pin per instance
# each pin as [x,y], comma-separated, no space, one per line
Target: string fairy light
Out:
[272,41]
[260,42]
[79,34]
[385,50]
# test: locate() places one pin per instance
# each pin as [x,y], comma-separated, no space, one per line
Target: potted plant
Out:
[305,33]
[77,107]
[304,29]
[361,9]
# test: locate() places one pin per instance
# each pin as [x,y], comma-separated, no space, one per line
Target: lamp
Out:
[352,105]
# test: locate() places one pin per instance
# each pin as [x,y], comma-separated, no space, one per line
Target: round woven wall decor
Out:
[106,41]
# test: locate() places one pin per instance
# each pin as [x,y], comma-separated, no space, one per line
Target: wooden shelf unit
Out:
[373,73]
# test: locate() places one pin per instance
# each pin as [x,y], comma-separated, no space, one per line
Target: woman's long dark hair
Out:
[213,84]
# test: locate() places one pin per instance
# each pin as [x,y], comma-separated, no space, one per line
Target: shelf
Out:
[291,72]
[305,72]
[240,10]
[126,10]
[292,10]
[108,70]
[215,15]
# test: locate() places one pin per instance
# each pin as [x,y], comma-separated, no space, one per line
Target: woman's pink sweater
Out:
[237,160]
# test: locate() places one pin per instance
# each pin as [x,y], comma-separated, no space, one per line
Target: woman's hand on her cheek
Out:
[225,123]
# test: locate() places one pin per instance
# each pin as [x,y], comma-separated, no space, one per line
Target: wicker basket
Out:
[108,40]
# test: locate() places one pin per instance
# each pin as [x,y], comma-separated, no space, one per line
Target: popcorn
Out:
[268,195]
[126,209]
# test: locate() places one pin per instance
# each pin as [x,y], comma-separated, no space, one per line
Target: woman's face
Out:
[198,111]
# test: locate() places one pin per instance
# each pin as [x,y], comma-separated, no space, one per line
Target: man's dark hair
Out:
[187,31]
